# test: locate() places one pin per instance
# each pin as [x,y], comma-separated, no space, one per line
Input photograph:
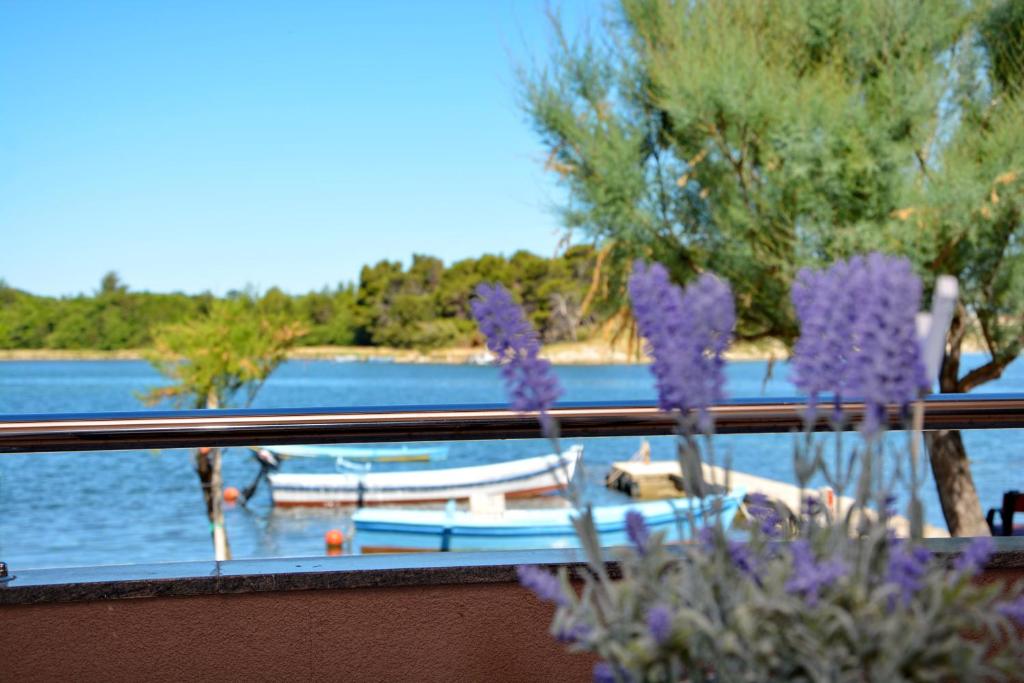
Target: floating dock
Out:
[658,479]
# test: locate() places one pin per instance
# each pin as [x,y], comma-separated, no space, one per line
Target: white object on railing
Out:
[932,327]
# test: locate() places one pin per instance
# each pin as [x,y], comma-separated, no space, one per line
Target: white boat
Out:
[514,478]
[388,530]
[482,358]
[403,453]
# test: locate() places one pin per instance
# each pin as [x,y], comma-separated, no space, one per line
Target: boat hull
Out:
[439,530]
[363,453]
[517,478]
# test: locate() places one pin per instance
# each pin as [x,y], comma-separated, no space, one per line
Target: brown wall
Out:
[483,632]
[471,632]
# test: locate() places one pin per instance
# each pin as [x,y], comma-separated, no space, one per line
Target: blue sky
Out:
[214,145]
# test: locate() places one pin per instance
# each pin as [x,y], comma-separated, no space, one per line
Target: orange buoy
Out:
[334,539]
[230,494]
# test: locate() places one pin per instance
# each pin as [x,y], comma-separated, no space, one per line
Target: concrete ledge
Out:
[116,582]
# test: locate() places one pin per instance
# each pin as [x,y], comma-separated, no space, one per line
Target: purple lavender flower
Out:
[1013,610]
[659,623]
[826,305]
[531,384]
[810,506]
[543,583]
[889,505]
[687,332]
[907,568]
[810,576]
[572,634]
[887,367]
[502,321]
[762,510]
[637,531]
[603,673]
[706,538]
[858,334]
[742,558]
[974,556]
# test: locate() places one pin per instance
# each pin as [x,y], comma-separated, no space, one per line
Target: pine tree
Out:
[752,137]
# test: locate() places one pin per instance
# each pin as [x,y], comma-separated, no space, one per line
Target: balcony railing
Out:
[79,618]
[193,428]
[180,429]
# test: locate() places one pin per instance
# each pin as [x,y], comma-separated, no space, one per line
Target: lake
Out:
[72,509]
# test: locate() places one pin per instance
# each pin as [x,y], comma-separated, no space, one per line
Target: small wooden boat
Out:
[515,478]
[404,453]
[384,530]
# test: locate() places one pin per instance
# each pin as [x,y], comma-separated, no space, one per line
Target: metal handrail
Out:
[179,429]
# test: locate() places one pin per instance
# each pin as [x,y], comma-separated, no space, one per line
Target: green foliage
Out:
[426,306]
[1002,35]
[330,316]
[751,138]
[233,347]
[111,319]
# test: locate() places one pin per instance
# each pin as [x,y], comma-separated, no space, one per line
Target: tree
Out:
[752,137]
[228,352]
[111,283]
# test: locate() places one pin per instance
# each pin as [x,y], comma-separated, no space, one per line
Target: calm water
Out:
[72,509]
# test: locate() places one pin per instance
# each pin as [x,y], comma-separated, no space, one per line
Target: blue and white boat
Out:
[405,530]
[512,478]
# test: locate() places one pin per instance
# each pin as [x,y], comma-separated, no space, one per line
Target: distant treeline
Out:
[424,306]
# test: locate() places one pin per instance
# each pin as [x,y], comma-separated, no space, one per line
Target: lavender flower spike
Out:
[826,306]
[659,623]
[637,531]
[1014,611]
[531,384]
[603,673]
[907,567]
[743,559]
[974,556]
[765,513]
[687,333]
[888,367]
[858,334]
[573,634]
[543,583]
[810,576]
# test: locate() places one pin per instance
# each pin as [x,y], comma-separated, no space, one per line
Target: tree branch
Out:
[986,373]
[737,165]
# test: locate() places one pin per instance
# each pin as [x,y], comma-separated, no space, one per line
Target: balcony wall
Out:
[436,617]
[278,620]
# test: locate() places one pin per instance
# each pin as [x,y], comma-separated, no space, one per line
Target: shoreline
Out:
[562,353]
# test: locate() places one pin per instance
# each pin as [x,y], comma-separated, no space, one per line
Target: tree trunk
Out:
[209,471]
[212,482]
[950,466]
[953,480]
